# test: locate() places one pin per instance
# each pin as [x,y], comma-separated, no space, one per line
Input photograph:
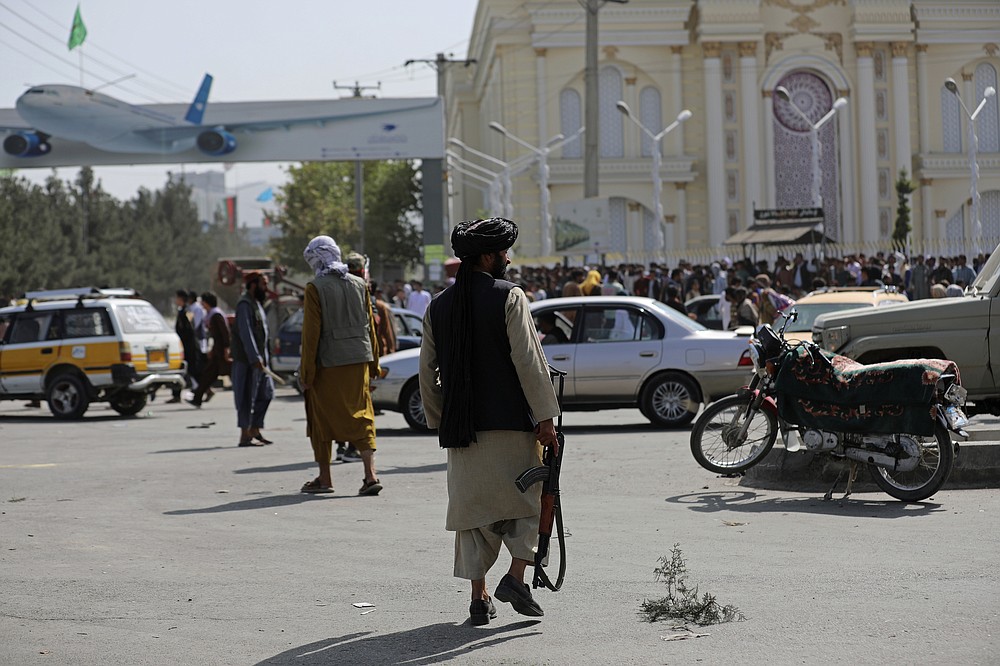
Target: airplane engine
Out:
[216,142]
[26,144]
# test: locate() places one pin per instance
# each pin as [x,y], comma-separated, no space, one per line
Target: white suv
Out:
[73,347]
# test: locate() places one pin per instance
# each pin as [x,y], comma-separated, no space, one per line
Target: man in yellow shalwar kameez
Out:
[339,358]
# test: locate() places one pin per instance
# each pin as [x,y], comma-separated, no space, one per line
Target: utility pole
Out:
[357,89]
[440,65]
[591,165]
[359,169]
[435,172]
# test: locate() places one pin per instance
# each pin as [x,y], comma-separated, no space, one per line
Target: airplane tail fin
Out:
[197,109]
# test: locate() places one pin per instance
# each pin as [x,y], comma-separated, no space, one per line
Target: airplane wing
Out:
[180,132]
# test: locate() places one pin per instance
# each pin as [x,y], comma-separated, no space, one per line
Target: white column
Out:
[542,95]
[927,209]
[968,218]
[681,221]
[769,184]
[541,92]
[901,108]
[715,152]
[751,130]
[867,152]
[848,175]
[923,105]
[677,94]
[633,135]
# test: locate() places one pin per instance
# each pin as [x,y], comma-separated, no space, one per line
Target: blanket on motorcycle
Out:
[822,390]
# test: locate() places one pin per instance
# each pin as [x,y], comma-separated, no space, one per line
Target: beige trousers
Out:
[476,550]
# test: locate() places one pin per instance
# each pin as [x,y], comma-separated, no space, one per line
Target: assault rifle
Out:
[551,513]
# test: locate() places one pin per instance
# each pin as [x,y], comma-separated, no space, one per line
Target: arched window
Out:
[989,213]
[988,120]
[618,220]
[651,116]
[954,228]
[570,120]
[793,171]
[951,122]
[612,141]
[652,237]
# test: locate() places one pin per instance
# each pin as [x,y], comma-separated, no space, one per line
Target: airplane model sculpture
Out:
[99,120]
[65,125]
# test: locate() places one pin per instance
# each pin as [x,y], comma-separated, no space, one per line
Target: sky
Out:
[255,50]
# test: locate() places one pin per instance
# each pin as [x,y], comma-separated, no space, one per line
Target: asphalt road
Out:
[154,540]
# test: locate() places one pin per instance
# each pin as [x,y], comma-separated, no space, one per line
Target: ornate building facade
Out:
[744,147]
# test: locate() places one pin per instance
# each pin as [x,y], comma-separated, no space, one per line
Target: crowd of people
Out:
[743,281]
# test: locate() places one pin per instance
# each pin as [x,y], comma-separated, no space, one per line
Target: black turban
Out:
[475,237]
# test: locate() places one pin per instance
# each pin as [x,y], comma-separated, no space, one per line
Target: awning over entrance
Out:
[780,233]
[783,226]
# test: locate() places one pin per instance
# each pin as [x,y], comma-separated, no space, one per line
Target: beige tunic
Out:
[481,477]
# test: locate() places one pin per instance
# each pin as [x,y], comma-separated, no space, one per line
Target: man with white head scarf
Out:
[339,357]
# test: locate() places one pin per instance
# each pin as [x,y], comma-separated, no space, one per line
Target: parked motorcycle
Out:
[894,417]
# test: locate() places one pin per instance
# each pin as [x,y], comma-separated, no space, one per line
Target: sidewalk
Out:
[976,466]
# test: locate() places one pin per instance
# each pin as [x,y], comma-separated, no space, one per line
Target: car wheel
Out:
[670,400]
[412,407]
[68,397]
[128,403]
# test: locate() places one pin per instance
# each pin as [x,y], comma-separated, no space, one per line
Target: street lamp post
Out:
[507,169]
[977,223]
[470,169]
[591,106]
[657,140]
[817,147]
[542,154]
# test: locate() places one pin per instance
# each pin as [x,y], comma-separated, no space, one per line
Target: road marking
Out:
[27,466]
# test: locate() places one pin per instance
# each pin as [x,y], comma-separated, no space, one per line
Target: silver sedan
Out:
[618,351]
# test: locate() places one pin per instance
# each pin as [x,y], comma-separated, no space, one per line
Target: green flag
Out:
[78,32]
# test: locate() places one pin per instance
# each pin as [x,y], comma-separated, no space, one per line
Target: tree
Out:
[904,187]
[77,235]
[319,199]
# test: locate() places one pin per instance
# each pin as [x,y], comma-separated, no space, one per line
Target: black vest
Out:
[498,401]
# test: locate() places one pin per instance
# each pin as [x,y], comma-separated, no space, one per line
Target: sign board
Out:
[775,214]
[582,226]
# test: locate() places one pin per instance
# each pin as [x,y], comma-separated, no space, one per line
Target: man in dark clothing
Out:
[189,342]
[485,386]
[216,361]
[672,298]
[253,388]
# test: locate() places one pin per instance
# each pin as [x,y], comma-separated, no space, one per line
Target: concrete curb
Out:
[977,466]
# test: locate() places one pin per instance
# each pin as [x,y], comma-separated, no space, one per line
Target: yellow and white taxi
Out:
[73,347]
[835,299]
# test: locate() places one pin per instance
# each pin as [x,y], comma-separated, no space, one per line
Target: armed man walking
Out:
[485,386]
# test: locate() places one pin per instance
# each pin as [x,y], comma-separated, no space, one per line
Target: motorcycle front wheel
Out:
[715,442]
[937,455]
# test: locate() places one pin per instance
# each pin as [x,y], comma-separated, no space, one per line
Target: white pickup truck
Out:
[965,330]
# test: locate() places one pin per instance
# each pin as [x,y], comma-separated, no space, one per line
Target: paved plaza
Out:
[154,540]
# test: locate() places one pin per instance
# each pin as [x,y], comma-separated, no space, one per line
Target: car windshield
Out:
[677,317]
[809,311]
[986,281]
[294,323]
[142,318]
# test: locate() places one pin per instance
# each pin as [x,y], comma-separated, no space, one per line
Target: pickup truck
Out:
[965,330]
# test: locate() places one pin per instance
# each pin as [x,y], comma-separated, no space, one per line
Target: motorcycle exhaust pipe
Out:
[882,460]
